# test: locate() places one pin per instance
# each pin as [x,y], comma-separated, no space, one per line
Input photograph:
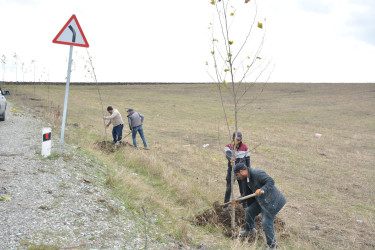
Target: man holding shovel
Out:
[116,120]
[135,124]
[268,201]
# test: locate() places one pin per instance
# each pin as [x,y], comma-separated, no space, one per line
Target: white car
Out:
[3,104]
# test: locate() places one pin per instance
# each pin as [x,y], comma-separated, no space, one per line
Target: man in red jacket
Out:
[242,155]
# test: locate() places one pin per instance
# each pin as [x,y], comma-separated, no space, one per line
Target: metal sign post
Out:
[66,99]
[71,34]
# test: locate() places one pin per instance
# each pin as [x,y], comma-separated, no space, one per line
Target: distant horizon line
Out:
[157,83]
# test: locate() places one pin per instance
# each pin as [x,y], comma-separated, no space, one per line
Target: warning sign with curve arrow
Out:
[71,34]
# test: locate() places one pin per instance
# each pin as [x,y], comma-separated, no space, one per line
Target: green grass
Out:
[53,156]
[328,181]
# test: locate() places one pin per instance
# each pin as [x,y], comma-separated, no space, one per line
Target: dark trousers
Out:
[117,132]
[228,190]
[267,220]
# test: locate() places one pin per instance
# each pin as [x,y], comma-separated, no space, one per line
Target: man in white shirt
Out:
[116,119]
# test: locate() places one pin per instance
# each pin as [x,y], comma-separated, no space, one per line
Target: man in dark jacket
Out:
[135,124]
[242,155]
[269,201]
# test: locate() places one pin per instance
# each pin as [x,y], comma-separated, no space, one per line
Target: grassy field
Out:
[328,181]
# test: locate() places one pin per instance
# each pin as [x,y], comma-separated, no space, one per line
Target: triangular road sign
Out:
[71,34]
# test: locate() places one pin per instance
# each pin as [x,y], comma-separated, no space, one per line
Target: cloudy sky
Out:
[169,40]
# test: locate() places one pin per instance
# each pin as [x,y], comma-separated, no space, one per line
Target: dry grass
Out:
[328,181]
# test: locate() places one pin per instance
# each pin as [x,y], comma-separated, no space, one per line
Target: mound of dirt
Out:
[216,217]
[107,147]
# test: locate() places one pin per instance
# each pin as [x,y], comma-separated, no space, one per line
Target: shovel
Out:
[239,199]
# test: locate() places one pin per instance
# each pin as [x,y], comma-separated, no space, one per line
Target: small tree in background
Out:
[15,57]
[237,39]
[4,62]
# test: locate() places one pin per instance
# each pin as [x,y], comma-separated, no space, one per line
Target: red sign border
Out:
[86,45]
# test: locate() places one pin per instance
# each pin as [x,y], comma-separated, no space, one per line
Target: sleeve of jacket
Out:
[130,123]
[114,114]
[142,117]
[228,153]
[266,181]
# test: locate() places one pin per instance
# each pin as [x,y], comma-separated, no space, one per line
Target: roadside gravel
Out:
[61,201]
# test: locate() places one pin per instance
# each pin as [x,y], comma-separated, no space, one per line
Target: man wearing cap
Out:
[135,124]
[269,201]
[116,119]
[242,154]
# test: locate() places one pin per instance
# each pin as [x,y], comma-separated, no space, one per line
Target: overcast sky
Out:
[168,40]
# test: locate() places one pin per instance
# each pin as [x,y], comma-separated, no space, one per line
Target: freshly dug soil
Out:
[218,218]
[107,147]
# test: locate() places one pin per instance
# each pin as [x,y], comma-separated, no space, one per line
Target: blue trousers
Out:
[138,129]
[267,220]
[117,132]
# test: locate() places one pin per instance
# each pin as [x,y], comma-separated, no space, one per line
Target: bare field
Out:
[328,181]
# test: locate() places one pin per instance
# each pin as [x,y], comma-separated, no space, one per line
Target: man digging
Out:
[116,119]
[268,201]
[135,120]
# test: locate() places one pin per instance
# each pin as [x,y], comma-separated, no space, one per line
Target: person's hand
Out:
[259,192]
[106,126]
[103,117]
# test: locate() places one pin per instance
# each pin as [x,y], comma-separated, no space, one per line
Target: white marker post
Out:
[46,142]
[71,34]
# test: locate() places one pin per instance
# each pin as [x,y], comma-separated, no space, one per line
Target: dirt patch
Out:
[75,125]
[107,147]
[216,217]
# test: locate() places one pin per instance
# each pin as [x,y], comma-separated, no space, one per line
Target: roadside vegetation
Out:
[328,181]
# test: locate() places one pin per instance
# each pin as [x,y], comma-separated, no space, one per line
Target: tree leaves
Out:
[213,2]
[260,25]
[230,42]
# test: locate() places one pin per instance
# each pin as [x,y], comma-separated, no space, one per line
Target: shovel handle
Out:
[240,199]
